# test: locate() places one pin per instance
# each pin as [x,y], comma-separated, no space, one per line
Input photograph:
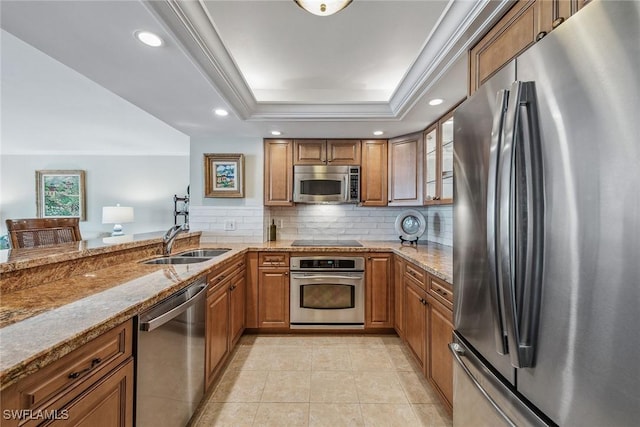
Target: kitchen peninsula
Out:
[57,299]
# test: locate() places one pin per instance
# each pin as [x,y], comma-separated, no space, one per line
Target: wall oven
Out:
[327,292]
[326,184]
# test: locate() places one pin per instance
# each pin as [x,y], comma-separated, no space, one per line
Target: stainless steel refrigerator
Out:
[547,231]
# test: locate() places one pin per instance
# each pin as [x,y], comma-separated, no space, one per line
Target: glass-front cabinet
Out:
[438,161]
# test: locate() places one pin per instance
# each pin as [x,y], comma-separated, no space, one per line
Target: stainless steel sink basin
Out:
[176,260]
[207,253]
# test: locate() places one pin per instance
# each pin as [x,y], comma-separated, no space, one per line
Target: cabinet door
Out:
[445,156]
[552,13]
[273,298]
[236,304]
[415,317]
[108,403]
[398,290]
[440,369]
[431,164]
[278,172]
[373,174]
[343,152]
[378,292]
[309,151]
[217,331]
[405,170]
[514,33]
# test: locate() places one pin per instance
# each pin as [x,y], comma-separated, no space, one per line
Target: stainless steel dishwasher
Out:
[170,358]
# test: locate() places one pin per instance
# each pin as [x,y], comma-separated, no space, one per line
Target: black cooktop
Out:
[327,243]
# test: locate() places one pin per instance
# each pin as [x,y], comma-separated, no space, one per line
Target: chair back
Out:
[31,232]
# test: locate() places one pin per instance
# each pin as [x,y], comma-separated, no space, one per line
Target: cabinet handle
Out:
[541,35]
[220,278]
[557,22]
[240,264]
[423,301]
[286,273]
[95,362]
[369,258]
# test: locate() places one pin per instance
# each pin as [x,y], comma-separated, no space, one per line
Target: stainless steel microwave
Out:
[326,184]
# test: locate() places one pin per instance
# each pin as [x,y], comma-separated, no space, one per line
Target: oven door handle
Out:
[325,277]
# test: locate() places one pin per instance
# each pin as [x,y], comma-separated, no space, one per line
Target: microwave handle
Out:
[347,191]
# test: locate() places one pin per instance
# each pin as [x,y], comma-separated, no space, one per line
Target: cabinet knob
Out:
[369,258]
[540,35]
[286,273]
[557,22]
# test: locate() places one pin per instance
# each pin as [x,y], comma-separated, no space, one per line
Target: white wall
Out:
[55,118]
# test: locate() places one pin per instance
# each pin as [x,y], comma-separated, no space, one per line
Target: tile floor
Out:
[322,380]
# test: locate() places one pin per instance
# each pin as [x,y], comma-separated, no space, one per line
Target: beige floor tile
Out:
[333,387]
[282,414]
[335,415]
[240,386]
[287,386]
[379,387]
[401,360]
[388,415]
[331,358]
[416,387]
[432,415]
[370,359]
[227,414]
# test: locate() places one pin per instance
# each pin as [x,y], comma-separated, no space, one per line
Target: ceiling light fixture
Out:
[378,132]
[221,112]
[149,38]
[436,101]
[276,133]
[323,7]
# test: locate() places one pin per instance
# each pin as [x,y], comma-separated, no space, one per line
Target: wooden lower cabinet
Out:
[273,297]
[109,403]
[378,292]
[440,365]
[217,331]
[237,308]
[91,386]
[398,292]
[415,320]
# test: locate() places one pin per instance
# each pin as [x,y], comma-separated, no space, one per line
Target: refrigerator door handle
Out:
[497,311]
[458,352]
[520,218]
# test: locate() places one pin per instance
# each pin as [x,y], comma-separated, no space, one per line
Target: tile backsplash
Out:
[341,222]
[354,222]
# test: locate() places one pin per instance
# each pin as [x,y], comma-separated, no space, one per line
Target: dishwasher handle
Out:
[163,318]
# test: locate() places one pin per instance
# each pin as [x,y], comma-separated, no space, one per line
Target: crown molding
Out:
[193,28]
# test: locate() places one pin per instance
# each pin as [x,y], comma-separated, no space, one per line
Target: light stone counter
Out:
[41,323]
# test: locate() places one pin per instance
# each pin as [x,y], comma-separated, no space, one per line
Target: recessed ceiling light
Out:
[436,101]
[221,112]
[276,133]
[149,39]
[378,132]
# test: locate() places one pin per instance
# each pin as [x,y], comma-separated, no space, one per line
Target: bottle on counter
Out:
[272,231]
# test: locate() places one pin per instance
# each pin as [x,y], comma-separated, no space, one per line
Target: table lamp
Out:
[117,215]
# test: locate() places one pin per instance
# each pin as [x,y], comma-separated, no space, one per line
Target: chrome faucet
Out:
[171,235]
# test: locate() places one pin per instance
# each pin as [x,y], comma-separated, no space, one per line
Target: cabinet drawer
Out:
[83,365]
[273,259]
[416,273]
[441,290]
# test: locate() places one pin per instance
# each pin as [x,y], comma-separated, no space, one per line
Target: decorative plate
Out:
[410,225]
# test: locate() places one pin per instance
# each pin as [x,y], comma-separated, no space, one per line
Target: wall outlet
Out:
[230,225]
[279,222]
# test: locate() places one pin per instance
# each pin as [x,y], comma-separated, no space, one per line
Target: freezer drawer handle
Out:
[458,352]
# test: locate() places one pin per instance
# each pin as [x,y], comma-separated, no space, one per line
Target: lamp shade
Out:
[117,214]
[323,7]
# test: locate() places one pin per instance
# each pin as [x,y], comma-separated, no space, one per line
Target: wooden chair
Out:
[31,232]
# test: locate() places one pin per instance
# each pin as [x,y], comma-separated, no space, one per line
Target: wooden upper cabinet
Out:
[322,151]
[405,170]
[278,172]
[373,174]
[343,152]
[527,22]
[438,161]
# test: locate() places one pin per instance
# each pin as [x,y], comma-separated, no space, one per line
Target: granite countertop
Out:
[40,324]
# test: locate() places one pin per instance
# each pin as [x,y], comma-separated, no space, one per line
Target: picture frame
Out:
[224,175]
[61,194]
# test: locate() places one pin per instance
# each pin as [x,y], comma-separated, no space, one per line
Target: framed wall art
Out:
[224,175]
[61,194]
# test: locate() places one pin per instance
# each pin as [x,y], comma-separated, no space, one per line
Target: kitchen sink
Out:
[177,260]
[207,253]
